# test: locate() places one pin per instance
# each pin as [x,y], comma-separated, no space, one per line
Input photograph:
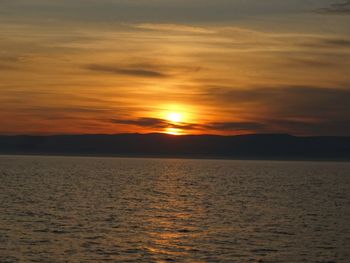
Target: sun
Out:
[174,117]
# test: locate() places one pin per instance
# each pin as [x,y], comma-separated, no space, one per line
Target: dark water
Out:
[74,209]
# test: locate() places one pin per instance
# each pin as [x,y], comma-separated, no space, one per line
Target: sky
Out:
[175,66]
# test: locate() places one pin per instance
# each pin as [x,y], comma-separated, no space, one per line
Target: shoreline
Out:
[184,157]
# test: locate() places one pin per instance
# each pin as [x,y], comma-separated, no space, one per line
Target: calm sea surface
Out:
[77,209]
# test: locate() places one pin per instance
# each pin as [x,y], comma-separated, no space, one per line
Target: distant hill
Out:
[258,146]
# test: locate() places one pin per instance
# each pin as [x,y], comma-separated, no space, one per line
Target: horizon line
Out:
[170,135]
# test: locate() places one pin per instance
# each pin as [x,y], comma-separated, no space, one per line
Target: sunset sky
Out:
[175,66]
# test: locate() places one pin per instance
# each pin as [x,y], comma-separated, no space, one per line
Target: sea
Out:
[105,209]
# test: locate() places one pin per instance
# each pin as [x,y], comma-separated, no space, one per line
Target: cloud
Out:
[8,62]
[307,106]
[328,43]
[303,110]
[235,126]
[157,123]
[6,67]
[309,97]
[131,71]
[340,42]
[310,62]
[341,8]
[143,122]
[320,127]
[174,27]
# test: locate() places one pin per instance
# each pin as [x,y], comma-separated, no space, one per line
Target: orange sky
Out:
[282,70]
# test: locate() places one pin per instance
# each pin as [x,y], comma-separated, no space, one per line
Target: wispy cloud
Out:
[131,71]
[174,27]
[287,100]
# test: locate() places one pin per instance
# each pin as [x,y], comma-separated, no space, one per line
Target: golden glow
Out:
[176,113]
[173,131]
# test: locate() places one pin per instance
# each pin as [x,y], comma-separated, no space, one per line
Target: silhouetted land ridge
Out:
[258,146]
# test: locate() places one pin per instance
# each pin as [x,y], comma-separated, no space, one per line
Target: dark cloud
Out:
[235,126]
[11,62]
[143,122]
[132,71]
[11,59]
[337,8]
[310,99]
[338,42]
[156,123]
[324,127]
[6,67]
[307,108]
[218,126]
[311,62]
[328,43]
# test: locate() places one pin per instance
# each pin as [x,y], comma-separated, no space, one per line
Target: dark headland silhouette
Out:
[257,146]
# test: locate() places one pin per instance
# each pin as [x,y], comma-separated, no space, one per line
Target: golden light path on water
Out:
[96,209]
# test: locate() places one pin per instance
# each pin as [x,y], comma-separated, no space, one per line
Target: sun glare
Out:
[174,117]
